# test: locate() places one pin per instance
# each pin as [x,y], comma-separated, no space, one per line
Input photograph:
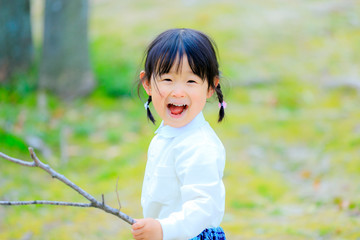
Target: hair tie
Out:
[223,104]
[146,105]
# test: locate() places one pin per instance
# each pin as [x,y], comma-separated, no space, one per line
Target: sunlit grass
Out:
[281,162]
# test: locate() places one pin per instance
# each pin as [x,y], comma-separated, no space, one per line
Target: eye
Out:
[167,80]
[191,81]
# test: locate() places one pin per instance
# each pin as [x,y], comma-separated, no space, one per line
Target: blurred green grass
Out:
[291,130]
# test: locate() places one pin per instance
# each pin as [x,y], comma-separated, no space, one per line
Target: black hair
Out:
[174,43]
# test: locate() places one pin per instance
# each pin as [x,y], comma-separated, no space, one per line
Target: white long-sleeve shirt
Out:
[183,185]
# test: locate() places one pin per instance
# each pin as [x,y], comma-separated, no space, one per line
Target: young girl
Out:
[183,196]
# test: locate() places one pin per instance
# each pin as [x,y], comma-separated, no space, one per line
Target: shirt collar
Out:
[170,132]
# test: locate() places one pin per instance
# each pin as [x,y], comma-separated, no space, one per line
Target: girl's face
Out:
[178,96]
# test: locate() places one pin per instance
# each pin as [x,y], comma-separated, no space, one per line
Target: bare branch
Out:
[21,162]
[43,202]
[117,193]
[93,202]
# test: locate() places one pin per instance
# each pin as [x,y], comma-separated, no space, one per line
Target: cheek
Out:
[161,92]
[158,96]
[200,99]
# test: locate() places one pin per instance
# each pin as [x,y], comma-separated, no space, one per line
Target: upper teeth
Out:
[179,105]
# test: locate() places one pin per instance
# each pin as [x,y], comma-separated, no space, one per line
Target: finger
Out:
[136,233]
[139,238]
[139,224]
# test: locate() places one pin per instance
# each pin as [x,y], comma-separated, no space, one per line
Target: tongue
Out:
[176,109]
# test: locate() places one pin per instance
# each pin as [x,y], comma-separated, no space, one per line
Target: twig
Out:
[70,204]
[93,202]
[117,193]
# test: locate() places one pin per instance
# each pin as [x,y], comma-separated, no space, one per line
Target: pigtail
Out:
[222,103]
[149,115]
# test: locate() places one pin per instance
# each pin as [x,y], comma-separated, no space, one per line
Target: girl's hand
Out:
[147,229]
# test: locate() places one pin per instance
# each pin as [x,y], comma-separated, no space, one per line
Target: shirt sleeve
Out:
[199,169]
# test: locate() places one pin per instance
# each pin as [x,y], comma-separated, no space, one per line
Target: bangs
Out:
[169,48]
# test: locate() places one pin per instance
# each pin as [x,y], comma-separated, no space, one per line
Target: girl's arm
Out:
[200,170]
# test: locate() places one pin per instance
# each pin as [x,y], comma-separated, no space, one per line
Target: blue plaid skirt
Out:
[211,234]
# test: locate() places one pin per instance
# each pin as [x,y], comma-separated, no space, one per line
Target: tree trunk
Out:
[65,65]
[16,47]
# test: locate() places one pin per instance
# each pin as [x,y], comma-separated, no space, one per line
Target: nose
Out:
[178,91]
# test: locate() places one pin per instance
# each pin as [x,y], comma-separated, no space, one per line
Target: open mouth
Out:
[177,109]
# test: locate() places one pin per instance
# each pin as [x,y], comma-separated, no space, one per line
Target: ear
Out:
[145,82]
[211,90]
